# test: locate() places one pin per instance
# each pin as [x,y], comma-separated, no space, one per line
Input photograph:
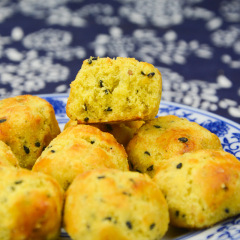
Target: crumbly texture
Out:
[111,204]
[113,90]
[201,188]
[27,125]
[123,132]
[31,205]
[7,158]
[165,137]
[78,149]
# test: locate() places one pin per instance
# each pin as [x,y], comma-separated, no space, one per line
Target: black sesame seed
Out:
[101,177]
[151,74]
[126,193]
[131,165]
[101,83]
[85,107]
[44,147]
[92,142]
[183,139]
[109,109]
[137,170]
[226,210]
[18,182]
[106,91]
[94,58]
[179,166]
[37,144]
[150,168]
[177,213]
[109,127]
[108,218]
[132,180]
[225,188]
[129,224]
[86,119]
[147,153]
[143,73]
[3,120]
[90,61]
[157,126]
[53,151]
[26,149]
[152,226]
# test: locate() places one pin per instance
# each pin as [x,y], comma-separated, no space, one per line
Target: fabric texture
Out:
[194,43]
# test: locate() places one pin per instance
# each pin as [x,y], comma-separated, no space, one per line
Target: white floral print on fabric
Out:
[43,44]
[147,46]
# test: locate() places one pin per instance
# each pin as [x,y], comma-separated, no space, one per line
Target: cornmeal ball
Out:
[114,90]
[123,132]
[165,137]
[111,204]
[78,149]
[201,188]
[31,205]
[7,158]
[27,125]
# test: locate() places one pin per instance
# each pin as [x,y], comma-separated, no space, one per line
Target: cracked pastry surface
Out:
[113,90]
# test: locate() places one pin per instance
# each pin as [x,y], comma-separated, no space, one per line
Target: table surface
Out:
[194,43]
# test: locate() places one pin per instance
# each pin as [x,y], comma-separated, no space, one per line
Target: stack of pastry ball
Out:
[123,172]
[109,101]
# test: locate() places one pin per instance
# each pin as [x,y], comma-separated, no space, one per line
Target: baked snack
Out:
[27,125]
[31,205]
[111,204]
[123,132]
[7,158]
[113,90]
[201,188]
[78,149]
[165,137]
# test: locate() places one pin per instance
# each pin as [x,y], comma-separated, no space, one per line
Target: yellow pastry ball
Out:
[201,187]
[165,137]
[111,204]
[31,205]
[27,125]
[78,149]
[113,90]
[7,158]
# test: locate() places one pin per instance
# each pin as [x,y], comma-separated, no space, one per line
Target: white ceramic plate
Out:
[227,131]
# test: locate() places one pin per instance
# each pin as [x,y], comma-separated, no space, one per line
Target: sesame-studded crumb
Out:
[125,205]
[132,88]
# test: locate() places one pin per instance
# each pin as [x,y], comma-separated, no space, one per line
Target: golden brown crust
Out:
[123,132]
[27,125]
[7,158]
[115,205]
[201,187]
[165,137]
[114,90]
[80,148]
[31,205]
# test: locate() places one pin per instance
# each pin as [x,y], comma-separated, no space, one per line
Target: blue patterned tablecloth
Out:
[194,43]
